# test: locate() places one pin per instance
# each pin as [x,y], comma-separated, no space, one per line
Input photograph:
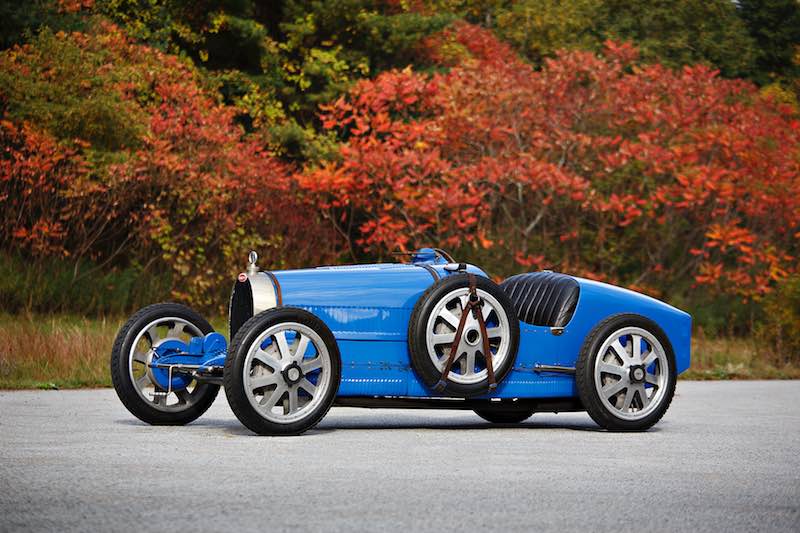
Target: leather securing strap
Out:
[474,306]
[487,352]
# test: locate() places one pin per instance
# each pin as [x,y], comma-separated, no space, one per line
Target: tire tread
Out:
[584,374]
[234,391]
[420,360]
[119,371]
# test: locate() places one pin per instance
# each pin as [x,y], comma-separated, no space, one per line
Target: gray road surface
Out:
[725,458]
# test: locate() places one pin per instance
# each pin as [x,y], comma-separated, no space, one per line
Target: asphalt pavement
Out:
[726,457]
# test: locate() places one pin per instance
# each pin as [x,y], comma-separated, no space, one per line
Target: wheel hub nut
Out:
[637,373]
[472,337]
[292,374]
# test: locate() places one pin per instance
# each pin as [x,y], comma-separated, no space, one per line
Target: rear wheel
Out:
[163,325]
[282,372]
[497,416]
[626,373]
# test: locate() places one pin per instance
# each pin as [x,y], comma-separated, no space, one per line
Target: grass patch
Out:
[48,352]
[59,352]
[55,352]
[734,358]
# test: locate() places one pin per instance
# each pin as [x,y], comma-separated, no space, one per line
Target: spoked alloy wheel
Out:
[432,331]
[147,392]
[283,372]
[631,373]
[626,373]
[163,332]
[469,364]
[289,372]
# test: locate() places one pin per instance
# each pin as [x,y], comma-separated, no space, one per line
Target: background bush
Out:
[778,333]
[147,145]
[53,286]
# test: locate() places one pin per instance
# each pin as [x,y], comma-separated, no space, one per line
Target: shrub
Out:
[71,90]
[188,187]
[778,332]
[34,173]
[55,285]
[602,166]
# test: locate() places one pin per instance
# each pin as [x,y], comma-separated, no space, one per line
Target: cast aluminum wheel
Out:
[432,328]
[161,332]
[625,373]
[631,373]
[469,364]
[282,371]
[287,372]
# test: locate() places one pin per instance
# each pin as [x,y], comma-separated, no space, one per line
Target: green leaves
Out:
[69,90]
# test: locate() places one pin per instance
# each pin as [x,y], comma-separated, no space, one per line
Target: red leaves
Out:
[594,164]
[621,53]
[35,173]
[73,6]
[195,191]
[597,163]
[531,262]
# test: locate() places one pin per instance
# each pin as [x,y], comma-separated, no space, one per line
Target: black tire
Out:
[202,396]
[235,368]
[422,361]
[499,416]
[585,378]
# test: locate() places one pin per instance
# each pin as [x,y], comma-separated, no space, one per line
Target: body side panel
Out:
[367,307]
[361,302]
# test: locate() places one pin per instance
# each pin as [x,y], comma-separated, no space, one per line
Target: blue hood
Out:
[362,302]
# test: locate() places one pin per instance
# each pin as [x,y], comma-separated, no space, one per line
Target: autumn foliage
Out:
[35,173]
[184,188]
[665,180]
[598,165]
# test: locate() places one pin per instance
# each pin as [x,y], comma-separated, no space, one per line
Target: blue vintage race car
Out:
[430,333]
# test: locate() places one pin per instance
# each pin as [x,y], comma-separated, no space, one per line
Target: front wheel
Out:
[282,372]
[156,328]
[626,373]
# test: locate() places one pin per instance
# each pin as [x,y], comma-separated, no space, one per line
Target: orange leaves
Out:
[598,163]
[624,53]
[474,45]
[529,261]
[627,208]
[372,103]
[73,6]
[729,235]
[193,189]
[35,173]
[709,273]
[595,164]
[739,261]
